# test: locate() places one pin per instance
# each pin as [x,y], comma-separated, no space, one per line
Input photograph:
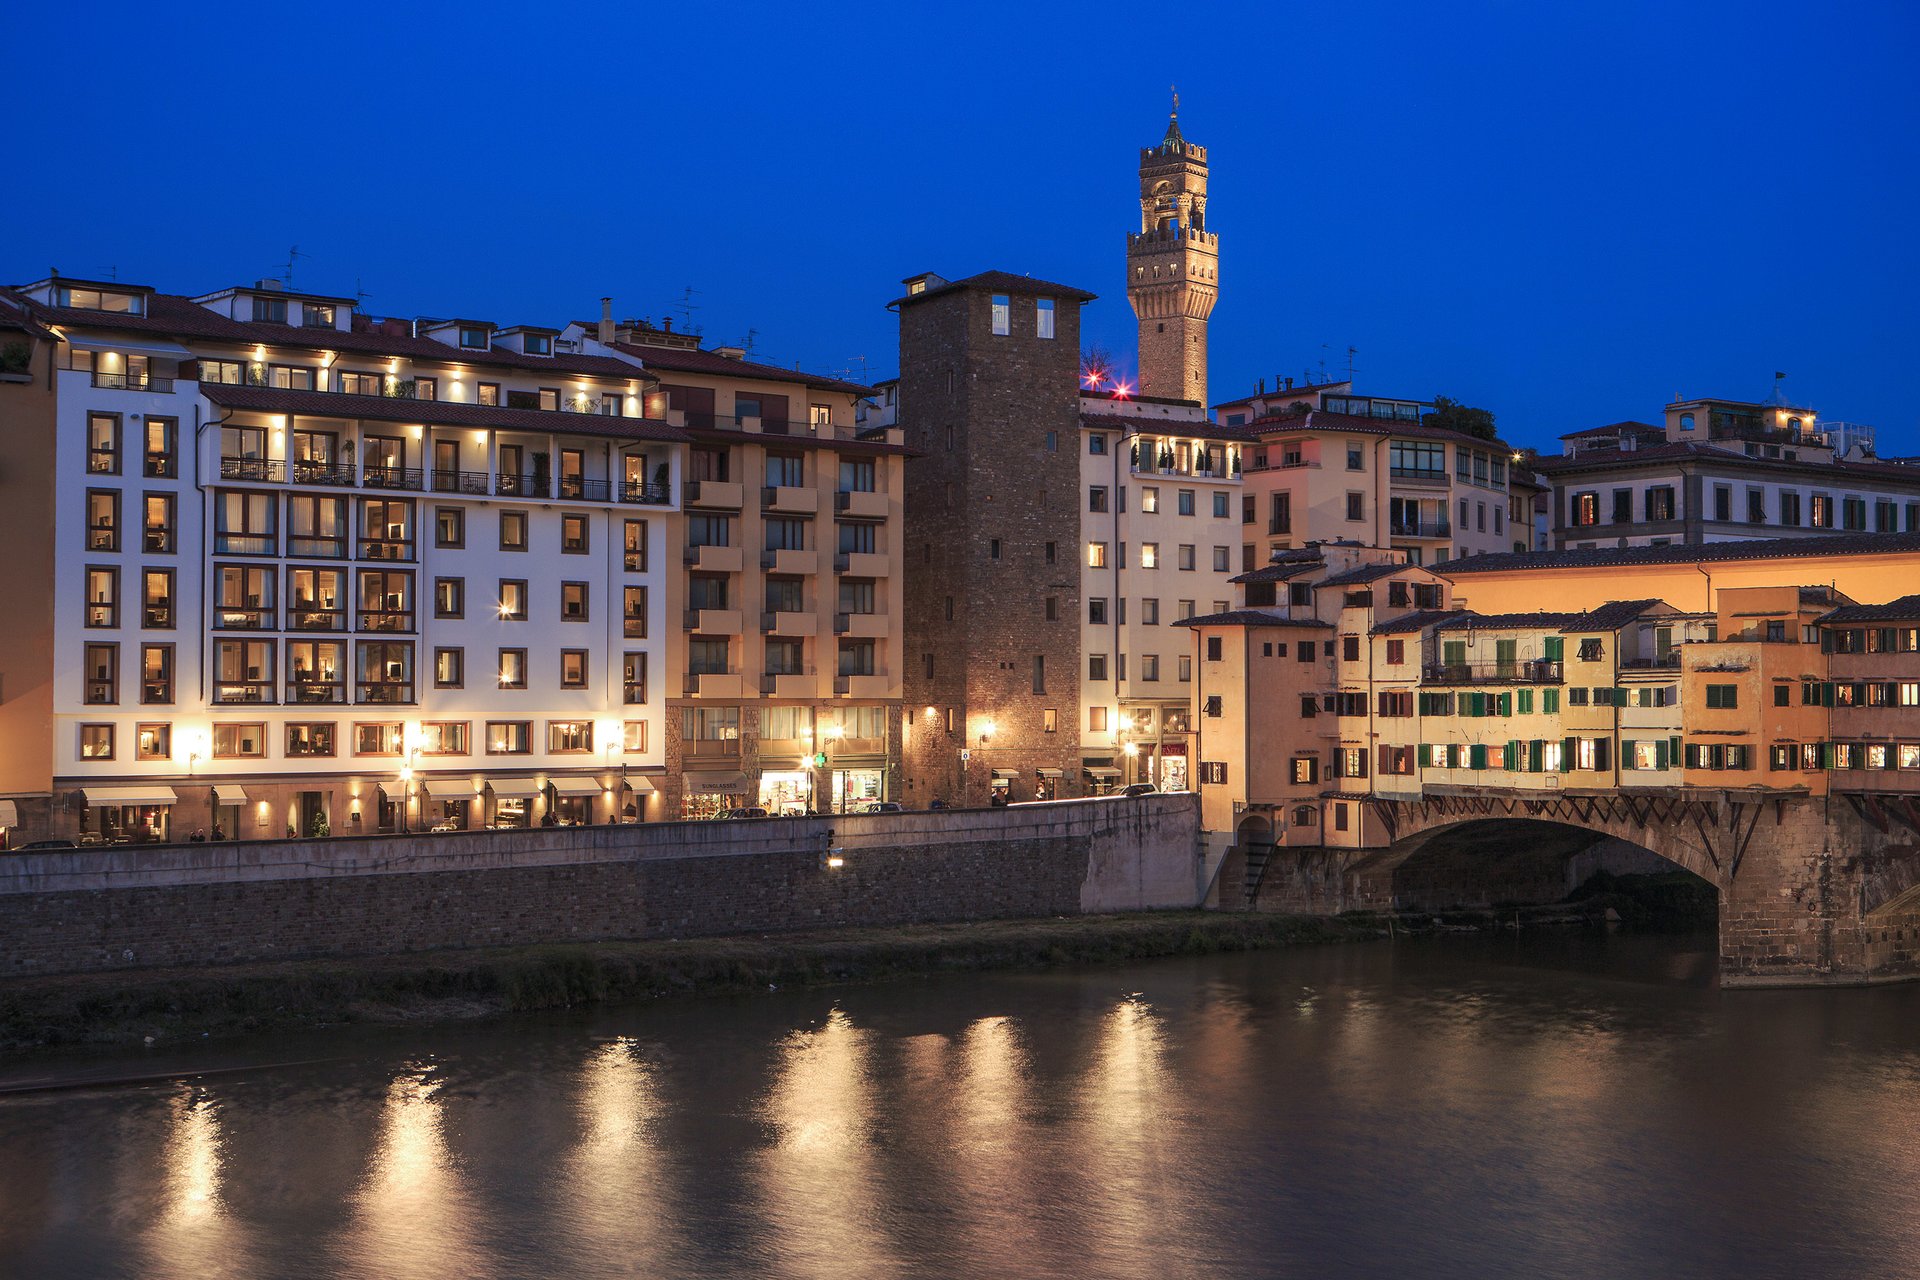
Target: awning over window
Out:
[170,350]
[639,786]
[98,796]
[576,786]
[514,788]
[227,793]
[449,788]
[1102,771]
[709,783]
[9,814]
[1051,773]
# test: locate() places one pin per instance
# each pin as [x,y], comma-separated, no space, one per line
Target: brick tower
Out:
[1172,267]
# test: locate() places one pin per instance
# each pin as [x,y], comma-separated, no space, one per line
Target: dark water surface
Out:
[1574,1106]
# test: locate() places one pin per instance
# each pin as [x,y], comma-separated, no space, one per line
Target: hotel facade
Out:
[312,572]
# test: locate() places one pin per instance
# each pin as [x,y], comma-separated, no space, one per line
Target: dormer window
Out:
[1686,422]
[270,310]
[538,344]
[132,304]
[315,315]
[473,337]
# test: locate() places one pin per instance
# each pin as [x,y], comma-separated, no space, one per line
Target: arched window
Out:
[1686,422]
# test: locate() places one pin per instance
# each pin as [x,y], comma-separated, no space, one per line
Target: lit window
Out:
[1002,314]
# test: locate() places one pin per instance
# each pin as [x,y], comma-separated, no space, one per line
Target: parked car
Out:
[752,811]
[47,844]
[1138,789]
[885,806]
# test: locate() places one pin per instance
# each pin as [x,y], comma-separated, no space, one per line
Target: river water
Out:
[1539,1106]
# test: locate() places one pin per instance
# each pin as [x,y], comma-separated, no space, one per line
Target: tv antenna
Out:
[359,293]
[747,342]
[686,307]
[293,255]
[1351,353]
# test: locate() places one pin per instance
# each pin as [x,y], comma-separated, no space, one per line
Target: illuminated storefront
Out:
[786,790]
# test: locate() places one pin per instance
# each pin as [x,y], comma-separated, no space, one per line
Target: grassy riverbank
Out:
[173,1005]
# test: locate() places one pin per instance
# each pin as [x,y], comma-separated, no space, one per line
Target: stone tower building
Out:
[1172,267]
[989,398]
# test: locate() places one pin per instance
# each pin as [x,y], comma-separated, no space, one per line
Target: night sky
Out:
[1566,213]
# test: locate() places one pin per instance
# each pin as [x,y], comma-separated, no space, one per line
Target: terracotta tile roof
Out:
[181,317]
[1720,454]
[1837,544]
[1364,574]
[1321,420]
[1905,609]
[1198,428]
[863,444]
[1613,429]
[1419,620]
[1251,618]
[1277,572]
[679,360]
[327,404]
[16,316]
[1001,282]
[1610,616]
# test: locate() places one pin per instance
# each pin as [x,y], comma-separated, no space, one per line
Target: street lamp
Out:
[406,804]
[834,733]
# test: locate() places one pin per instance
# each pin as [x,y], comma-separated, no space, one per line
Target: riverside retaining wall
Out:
[133,907]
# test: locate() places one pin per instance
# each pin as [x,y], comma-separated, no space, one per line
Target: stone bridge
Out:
[1811,889]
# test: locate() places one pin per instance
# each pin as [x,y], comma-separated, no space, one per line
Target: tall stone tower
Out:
[1172,267]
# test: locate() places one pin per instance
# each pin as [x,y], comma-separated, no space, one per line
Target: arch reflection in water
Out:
[617,1199]
[819,1182]
[414,1214]
[194,1234]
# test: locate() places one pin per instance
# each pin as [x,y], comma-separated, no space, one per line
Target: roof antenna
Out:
[1351,353]
[752,334]
[293,253]
[360,294]
[686,307]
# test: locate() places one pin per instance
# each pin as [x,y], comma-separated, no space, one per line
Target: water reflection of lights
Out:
[414,1217]
[194,1234]
[615,1193]
[819,1181]
[193,1161]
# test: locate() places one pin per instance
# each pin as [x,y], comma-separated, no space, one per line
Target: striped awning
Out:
[98,796]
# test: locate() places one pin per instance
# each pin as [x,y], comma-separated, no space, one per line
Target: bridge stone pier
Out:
[1812,890]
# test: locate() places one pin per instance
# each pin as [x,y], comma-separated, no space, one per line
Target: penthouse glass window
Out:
[1002,315]
[1410,460]
[85,299]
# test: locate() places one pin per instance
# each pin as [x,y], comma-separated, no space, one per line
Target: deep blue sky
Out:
[1564,212]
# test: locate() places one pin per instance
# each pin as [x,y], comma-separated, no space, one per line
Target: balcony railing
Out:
[244,544]
[445,480]
[383,691]
[243,617]
[261,469]
[1420,529]
[131,381]
[385,549]
[1660,662]
[583,489]
[315,471]
[1418,473]
[314,618]
[317,692]
[638,491]
[318,548]
[376,477]
[1528,671]
[243,691]
[521,486]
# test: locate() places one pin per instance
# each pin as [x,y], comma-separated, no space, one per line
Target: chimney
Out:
[606,322]
[1289,384]
[666,326]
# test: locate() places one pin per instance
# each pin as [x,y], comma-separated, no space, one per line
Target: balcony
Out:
[131,382]
[869,626]
[475,483]
[860,686]
[583,489]
[783,623]
[315,471]
[713,622]
[258,469]
[713,684]
[639,492]
[712,559]
[386,549]
[790,560]
[508,485]
[1530,671]
[1420,529]
[790,500]
[393,477]
[310,618]
[723,494]
[1659,662]
[789,684]
[860,564]
[863,504]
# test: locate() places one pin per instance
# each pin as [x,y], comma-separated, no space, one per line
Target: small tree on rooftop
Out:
[1451,415]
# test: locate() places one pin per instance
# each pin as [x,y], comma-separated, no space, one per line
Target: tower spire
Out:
[1172,265]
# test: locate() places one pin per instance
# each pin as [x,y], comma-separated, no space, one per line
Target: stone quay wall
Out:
[91,910]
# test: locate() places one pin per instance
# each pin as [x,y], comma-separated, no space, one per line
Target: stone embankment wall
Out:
[139,907]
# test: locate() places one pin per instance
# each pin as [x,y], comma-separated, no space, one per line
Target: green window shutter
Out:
[1526,702]
[1507,754]
[1659,753]
[1537,756]
[1603,754]
[1826,693]
[1478,759]
[1569,752]
[1425,755]
[1550,701]
[1506,704]
[1626,753]
[1673,751]
[1556,648]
